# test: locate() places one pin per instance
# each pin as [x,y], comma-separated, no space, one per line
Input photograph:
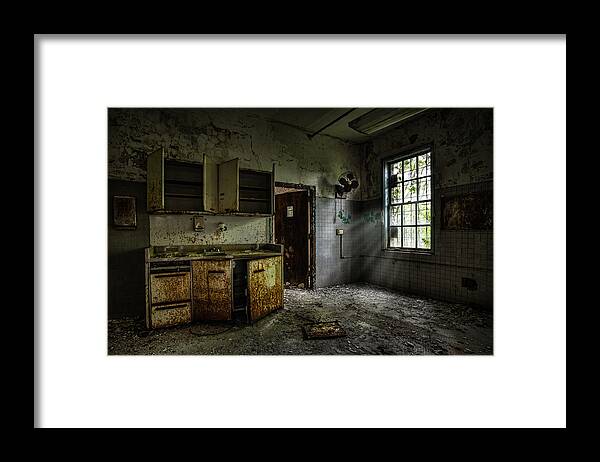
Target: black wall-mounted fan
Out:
[346,183]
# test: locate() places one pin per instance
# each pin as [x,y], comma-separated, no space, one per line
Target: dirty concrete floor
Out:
[376,320]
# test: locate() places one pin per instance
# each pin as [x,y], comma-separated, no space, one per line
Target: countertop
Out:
[230,255]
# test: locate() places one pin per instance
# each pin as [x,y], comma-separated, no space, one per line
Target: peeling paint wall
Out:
[223,134]
[462,164]
[178,230]
[463,146]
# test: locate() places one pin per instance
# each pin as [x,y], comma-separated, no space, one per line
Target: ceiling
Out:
[315,119]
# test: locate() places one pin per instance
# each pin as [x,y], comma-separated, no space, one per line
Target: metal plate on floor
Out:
[319,330]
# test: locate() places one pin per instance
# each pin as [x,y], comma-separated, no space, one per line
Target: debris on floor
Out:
[204,329]
[376,321]
[323,330]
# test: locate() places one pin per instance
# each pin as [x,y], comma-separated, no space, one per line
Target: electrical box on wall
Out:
[198,223]
[339,232]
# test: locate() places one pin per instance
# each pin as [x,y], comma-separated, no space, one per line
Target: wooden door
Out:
[292,225]
[229,190]
[155,180]
[265,286]
[212,290]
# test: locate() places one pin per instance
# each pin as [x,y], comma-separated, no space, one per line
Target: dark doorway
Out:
[294,229]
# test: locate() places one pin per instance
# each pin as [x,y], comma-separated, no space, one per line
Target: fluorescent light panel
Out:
[378,119]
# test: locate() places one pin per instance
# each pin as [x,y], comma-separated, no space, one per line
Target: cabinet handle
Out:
[170,307]
[259,270]
[170,275]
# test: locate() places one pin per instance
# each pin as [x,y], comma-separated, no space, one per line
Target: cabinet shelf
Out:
[184,182]
[182,195]
[254,188]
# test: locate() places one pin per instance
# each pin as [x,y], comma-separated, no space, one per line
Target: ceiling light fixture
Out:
[311,135]
[379,119]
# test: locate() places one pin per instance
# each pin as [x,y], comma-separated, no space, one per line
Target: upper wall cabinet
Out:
[229,189]
[256,192]
[174,185]
[229,192]
[178,186]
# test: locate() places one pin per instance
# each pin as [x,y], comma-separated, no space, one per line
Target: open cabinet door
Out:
[273,190]
[155,181]
[265,286]
[229,190]
[211,185]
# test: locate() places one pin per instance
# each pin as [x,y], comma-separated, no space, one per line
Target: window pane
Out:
[408,237]
[424,213]
[410,191]
[424,164]
[424,237]
[394,237]
[395,215]
[396,170]
[397,195]
[408,214]
[410,168]
[410,202]
[424,189]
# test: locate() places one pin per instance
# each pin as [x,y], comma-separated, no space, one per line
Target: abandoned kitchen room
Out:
[300,231]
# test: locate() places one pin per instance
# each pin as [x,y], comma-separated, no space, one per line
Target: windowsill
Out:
[428,253]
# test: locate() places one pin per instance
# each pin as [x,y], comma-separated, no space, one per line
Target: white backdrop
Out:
[522,384]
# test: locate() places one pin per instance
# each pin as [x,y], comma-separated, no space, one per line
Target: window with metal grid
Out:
[409,201]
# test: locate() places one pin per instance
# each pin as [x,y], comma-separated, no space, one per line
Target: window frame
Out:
[387,191]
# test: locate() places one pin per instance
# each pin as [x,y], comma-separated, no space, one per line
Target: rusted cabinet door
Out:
[170,287]
[229,186]
[171,315]
[169,299]
[155,183]
[211,191]
[212,290]
[265,286]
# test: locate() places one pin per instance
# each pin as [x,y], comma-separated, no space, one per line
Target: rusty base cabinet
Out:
[171,315]
[212,290]
[170,302]
[265,287]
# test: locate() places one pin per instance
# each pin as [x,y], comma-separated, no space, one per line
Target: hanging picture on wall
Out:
[124,212]
[471,211]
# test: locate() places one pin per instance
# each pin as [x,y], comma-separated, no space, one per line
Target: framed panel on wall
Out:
[124,212]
